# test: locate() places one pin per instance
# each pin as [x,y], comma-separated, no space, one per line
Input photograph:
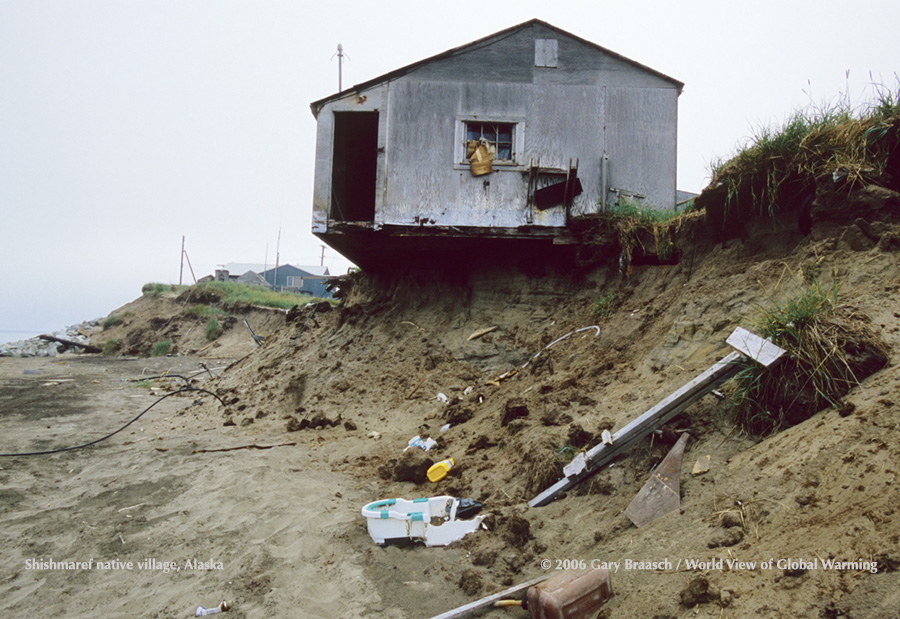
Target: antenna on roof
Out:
[340,56]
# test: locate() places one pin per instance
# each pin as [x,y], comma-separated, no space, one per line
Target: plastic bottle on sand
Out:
[204,612]
[439,471]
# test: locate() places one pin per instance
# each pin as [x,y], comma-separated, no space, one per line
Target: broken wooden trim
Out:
[757,348]
[485,602]
[584,464]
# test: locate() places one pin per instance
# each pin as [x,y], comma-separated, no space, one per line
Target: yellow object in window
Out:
[480,159]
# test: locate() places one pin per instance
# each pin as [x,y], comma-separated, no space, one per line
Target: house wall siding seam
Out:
[592,104]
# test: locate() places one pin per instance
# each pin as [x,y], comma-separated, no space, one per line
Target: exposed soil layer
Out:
[407,355]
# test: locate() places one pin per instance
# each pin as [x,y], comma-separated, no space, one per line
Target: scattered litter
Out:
[701,466]
[570,594]
[374,435]
[439,470]
[585,464]
[258,339]
[416,388]
[485,602]
[481,332]
[606,435]
[444,428]
[204,612]
[251,446]
[417,441]
[662,492]
[432,520]
[468,390]
[514,371]
[442,398]
[31,372]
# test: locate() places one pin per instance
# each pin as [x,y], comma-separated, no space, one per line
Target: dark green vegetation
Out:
[111,321]
[228,293]
[213,329]
[161,349]
[111,347]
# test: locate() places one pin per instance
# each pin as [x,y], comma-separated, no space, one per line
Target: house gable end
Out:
[508,56]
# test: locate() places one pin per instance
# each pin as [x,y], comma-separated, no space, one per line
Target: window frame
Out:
[518,141]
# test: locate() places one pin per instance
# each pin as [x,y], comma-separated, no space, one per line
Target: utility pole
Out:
[277,256]
[181,270]
[322,259]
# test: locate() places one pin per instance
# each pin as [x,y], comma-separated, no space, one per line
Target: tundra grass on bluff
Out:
[830,350]
[779,168]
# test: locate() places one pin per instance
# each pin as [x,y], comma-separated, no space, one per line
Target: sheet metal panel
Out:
[641,140]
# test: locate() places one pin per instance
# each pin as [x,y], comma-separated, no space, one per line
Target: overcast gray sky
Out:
[126,124]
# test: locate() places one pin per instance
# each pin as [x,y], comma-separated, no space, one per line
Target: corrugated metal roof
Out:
[239,268]
[316,106]
[315,271]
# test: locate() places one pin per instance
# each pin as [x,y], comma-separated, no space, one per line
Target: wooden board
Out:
[748,345]
[485,602]
[585,464]
[759,349]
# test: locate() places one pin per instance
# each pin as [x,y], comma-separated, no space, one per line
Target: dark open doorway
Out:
[353,166]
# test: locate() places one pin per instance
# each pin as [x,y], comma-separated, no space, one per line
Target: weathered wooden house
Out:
[501,144]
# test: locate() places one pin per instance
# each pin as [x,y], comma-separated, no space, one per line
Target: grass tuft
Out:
[233,292]
[161,349]
[644,230]
[111,347]
[778,167]
[111,321]
[605,305]
[830,349]
[213,329]
[155,290]
[205,311]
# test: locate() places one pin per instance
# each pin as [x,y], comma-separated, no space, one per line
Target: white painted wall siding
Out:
[590,105]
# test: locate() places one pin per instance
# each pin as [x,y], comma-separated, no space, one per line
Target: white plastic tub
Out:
[432,520]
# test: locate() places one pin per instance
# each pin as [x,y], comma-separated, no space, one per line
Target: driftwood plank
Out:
[70,343]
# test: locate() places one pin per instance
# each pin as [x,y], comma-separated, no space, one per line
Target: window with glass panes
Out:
[501,136]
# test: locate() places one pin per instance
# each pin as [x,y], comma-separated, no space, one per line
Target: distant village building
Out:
[512,137]
[310,280]
[307,280]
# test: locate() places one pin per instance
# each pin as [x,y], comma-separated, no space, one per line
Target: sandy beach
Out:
[152,528]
